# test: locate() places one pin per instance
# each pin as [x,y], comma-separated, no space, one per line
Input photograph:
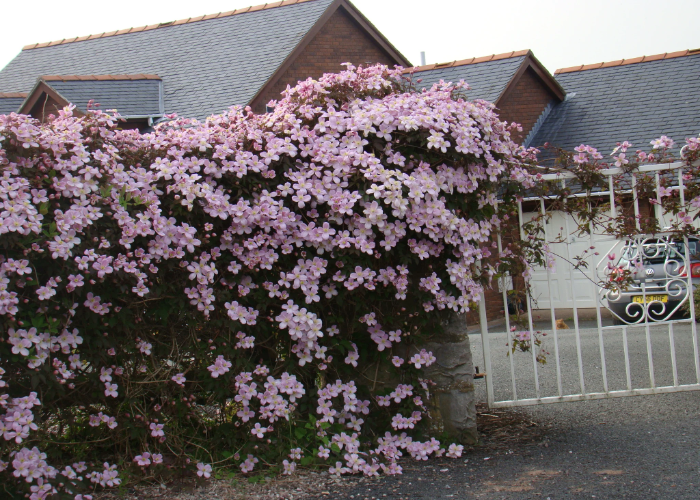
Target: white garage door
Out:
[560,278]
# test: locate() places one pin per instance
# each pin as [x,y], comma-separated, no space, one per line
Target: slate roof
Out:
[487,76]
[137,95]
[637,101]
[207,64]
[10,102]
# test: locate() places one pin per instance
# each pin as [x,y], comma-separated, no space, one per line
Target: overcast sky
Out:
[561,33]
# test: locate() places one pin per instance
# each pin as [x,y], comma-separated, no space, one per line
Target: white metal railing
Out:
[645,304]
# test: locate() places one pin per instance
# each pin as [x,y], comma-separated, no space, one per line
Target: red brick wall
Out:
[494,306]
[525,103]
[340,40]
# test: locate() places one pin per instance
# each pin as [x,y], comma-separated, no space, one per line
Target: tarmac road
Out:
[642,447]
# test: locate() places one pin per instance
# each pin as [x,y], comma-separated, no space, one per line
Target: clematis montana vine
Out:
[224,290]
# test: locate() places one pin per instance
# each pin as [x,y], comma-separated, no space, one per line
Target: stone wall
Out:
[453,401]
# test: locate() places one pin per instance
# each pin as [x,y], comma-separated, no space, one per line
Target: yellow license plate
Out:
[650,298]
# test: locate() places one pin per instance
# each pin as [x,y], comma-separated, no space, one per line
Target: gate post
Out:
[453,402]
[483,322]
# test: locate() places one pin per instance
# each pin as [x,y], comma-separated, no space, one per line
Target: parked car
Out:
[660,278]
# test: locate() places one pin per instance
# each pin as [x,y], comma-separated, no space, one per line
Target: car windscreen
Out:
[658,251]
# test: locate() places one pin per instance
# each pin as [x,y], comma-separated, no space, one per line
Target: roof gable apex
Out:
[466,62]
[361,20]
[524,59]
[34,97]
[372,30]
[531,62]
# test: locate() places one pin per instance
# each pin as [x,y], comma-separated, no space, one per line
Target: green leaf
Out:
[38,321]
[105,191]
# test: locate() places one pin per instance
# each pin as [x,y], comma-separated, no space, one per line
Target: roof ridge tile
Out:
[90,78]
[254,8]
[625,62]
[464,62]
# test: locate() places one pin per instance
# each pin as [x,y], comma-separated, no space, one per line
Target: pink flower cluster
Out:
[352,408]
[268,404]
[146,459]
[18,420]
[346,192]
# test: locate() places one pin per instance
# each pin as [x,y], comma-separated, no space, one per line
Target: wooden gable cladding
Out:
[43,101]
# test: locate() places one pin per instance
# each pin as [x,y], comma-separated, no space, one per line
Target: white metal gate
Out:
[647,352]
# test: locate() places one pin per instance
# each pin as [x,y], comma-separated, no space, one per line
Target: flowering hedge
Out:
[218,293]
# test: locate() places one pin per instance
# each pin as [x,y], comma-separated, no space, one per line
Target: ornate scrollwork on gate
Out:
[646,279]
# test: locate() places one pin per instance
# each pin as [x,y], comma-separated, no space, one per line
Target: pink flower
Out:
[156,429]
[204,470]
[289,467]
[144,347]
[338,469]
[663,192]
[111,390]
[259,431]
[455,450]
[248,464]
[352,357]
[179,379]
[522,336]
[424,358]
[219,367]
[662,142]
[143,460]
[245,414]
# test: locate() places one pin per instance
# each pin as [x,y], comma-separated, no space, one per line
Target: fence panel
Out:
[635,343]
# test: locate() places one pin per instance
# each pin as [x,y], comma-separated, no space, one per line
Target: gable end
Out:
[528,98]
[341,35]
